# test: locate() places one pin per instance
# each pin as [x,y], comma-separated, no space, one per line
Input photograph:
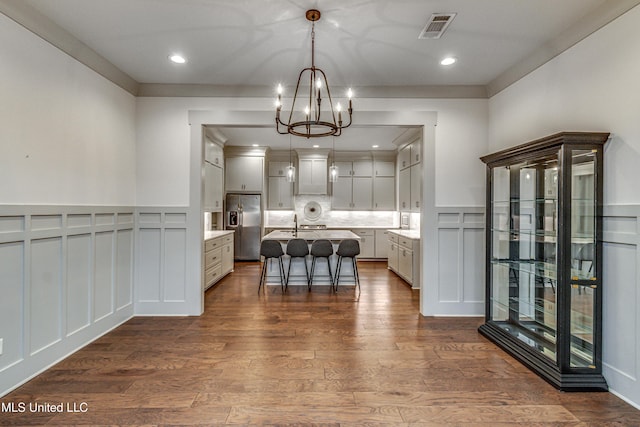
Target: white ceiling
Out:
[359,43]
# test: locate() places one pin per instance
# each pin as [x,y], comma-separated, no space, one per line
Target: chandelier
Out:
[309,121]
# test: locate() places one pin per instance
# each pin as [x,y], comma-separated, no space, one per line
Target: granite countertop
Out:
[409,234]
[312,235]
[212,234]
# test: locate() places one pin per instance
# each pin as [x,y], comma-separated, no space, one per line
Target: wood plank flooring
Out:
[306,359]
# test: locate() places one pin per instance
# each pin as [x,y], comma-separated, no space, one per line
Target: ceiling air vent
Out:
[436,25]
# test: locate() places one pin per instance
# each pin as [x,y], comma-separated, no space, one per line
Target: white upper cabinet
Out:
[312,176]
[213,188]
[416,152]
[280,193]
[213,153]
[384,193]
[384,168]
[244,174]
[404,157]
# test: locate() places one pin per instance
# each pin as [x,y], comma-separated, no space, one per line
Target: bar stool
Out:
[321,248]
[271,249]
[348,248]
[297,248]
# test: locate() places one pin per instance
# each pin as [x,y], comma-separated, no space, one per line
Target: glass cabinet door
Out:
[583,283]
[524,246]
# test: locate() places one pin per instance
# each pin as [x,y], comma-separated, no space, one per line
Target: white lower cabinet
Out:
[367,242]
[382,243]
[404,257]
[392,252]
[218,258]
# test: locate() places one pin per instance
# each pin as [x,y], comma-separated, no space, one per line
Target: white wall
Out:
[67,159]
[594,86]
[67,135]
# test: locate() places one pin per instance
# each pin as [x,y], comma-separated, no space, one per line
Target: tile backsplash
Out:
[330,217]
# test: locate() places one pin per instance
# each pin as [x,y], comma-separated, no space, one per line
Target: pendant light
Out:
[291,169]
[333,169]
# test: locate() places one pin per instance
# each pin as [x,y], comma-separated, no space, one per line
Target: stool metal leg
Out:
[263,273]
[339,266]
[355,271]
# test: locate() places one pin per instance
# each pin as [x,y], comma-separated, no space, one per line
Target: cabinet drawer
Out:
[212,274]
[363,233]
[212,244]
[227,239]
[212,258]
[406,242]
[393,237]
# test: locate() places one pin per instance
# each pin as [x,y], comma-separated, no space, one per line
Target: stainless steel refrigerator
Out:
[243,214]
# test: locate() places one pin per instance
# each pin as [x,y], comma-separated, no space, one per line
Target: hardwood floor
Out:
[305,359]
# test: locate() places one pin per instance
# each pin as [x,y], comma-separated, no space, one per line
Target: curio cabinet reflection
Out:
[544,257]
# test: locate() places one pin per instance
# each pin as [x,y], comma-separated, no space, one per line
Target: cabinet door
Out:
[362,168]
[280,193]
[392,255]
[312,176]
[404,157]
[384,168]
[416,196]
[384,193]
[362,193]
[217,189]
[405,190]
[342,190]
[382,243]
[344,168]
[416,152]
[367,242]
[213,153]
[278,168]
[244,174]
[227,258]
[212,188]
[405,264]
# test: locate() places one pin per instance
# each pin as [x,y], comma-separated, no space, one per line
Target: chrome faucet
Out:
[295,221]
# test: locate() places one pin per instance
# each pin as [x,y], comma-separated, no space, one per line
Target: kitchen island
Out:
[297,268]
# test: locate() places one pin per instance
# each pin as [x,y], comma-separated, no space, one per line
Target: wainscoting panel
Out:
[161,261]
[60,267]
[459,288]
[621,299]
[45,308]
[78,282]
[104,275]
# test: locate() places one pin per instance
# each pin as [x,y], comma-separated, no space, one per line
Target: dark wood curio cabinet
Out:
[544,257]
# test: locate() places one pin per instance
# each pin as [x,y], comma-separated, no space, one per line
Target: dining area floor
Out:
[305,358]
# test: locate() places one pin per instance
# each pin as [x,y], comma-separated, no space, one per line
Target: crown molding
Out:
[204,90]
[57,36]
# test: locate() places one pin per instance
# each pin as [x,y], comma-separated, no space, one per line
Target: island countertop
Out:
[310,235]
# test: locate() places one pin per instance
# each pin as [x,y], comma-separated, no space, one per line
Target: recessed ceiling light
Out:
[375,146]
[316,146]
[448,60]
[178,59]
[254,145]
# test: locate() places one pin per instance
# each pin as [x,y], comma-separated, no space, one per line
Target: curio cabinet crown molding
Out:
[544,257]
